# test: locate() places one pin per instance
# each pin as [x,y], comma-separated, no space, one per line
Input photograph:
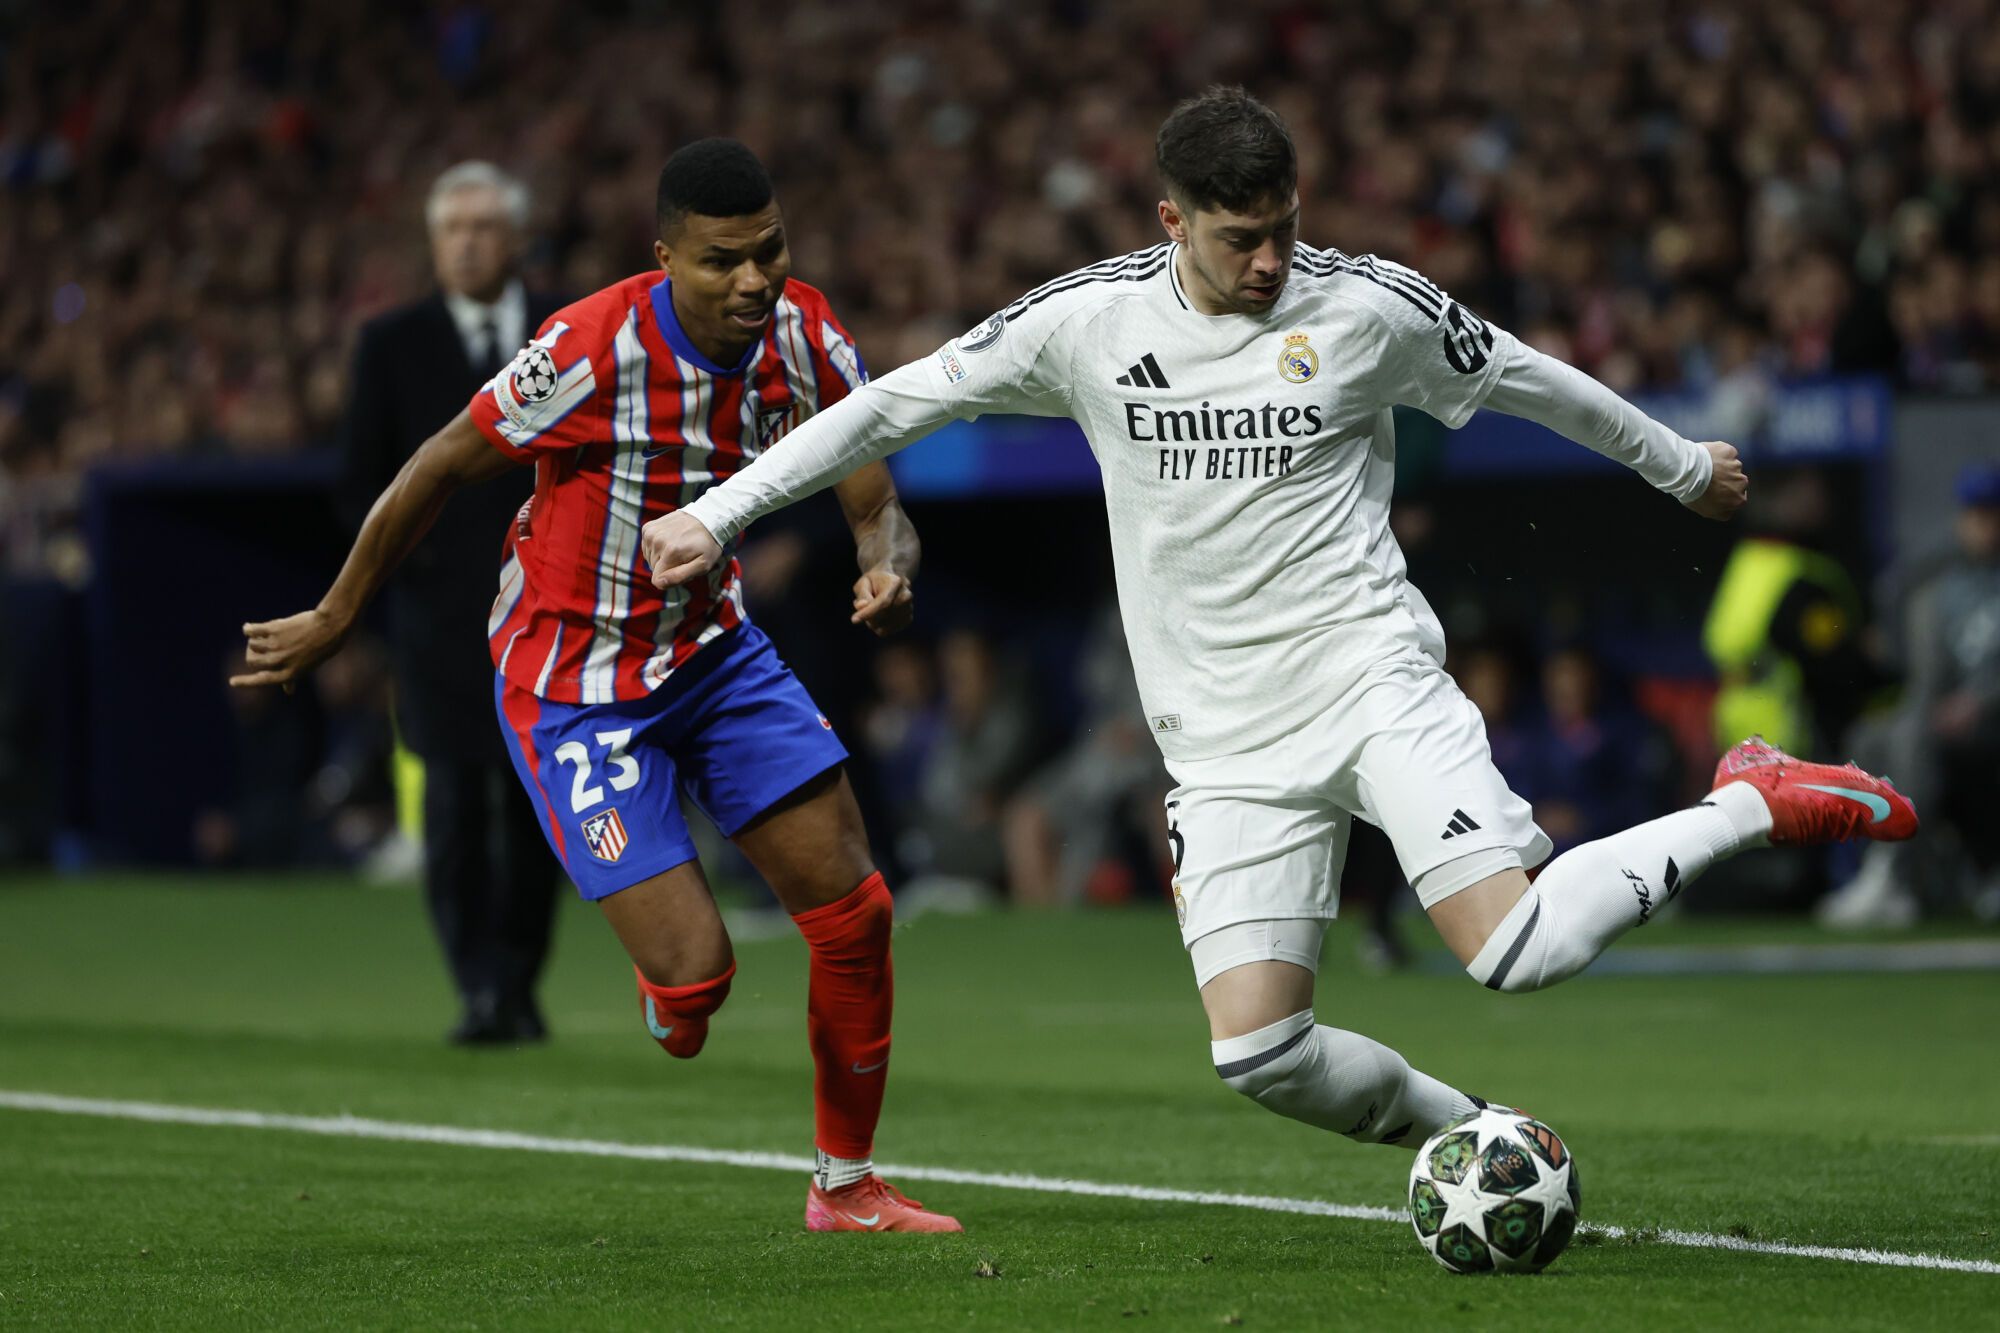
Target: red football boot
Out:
[870,1204]
[1818,803]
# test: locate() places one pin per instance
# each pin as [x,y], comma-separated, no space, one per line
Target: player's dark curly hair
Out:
[717,178]
[1226,149]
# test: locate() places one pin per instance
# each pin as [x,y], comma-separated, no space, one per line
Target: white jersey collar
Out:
[1187,303]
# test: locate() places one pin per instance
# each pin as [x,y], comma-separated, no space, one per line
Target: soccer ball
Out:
[1494,1191]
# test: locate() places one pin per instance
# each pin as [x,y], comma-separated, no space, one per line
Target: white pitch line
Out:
[355,1127]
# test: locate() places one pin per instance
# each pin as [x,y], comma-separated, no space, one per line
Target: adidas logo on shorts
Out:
[1460,823]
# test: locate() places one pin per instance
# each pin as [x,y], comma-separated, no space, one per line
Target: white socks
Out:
[1582,901]
[1592,894]
[830,1173]
[1339,1081]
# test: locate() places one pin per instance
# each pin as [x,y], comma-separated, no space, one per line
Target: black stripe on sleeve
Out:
[1109,269]
[1026,303]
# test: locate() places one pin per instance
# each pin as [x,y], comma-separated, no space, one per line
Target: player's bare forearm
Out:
[280,651]
[884,537]
[885,547]
[456,456]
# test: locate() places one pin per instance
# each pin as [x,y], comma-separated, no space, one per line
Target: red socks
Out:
[677,1016]
[850,997]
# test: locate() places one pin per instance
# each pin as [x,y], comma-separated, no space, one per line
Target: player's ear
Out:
[664,256]
[1175,224]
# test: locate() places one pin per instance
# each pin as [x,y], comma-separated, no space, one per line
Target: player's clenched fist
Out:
[883,601]
[1728,484]
[678,548]
[280,651]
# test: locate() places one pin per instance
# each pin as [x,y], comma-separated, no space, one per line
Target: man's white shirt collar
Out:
[508,315]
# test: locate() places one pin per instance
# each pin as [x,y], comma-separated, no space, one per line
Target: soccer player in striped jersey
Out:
[1237,389]
[615,697]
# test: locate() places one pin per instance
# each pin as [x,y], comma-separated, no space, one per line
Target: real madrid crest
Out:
[1298,362]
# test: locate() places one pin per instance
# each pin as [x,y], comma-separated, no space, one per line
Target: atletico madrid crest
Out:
[604,834]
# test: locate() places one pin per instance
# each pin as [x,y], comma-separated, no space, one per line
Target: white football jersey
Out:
[1248,462]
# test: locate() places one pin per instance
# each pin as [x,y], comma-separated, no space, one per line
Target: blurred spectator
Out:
[901,729]
[1594,765]
[1579,752]
[1088,825]
[1784,630]
[984,748]
[1489,674]
[1942,744]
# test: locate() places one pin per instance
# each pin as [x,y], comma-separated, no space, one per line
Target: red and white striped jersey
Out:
[626,420]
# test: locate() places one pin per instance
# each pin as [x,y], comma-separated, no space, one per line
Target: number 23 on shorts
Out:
[621,770]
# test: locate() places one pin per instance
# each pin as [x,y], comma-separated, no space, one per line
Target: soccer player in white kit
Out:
[1236,388]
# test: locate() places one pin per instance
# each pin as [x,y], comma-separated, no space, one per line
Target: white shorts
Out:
[1262,835]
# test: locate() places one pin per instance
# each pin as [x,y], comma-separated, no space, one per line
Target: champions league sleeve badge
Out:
[1298,362]
[534,375]
[983,337]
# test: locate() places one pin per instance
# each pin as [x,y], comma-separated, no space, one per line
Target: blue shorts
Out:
[733,728]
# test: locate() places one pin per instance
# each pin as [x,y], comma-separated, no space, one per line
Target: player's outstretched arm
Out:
[1708,478]
[885,546]
[280,651]
[865,427]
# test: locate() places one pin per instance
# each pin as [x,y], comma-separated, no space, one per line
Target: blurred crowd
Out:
[202,200]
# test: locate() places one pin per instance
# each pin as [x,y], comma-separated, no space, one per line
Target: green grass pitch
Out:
[1838,1110]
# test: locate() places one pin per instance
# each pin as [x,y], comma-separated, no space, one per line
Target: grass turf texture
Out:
[1837,1110]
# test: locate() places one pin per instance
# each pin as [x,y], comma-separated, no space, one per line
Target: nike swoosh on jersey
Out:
[653,1022]
[857,1068]
[1876,805]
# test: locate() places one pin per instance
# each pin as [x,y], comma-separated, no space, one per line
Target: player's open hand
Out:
[281,651]
[1728,485]
[884,601]
[678,548]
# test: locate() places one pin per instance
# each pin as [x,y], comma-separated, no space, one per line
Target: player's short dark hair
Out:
[1225,149]
[717,178]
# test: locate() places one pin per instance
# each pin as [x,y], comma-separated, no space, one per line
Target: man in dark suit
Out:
[488,876]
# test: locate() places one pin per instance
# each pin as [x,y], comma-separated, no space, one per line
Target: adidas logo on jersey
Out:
[1460,823]
[1145,375]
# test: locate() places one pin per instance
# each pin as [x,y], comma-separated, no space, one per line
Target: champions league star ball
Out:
[1494,1192]
[535,375]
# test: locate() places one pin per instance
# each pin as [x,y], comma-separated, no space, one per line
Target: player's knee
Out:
[1512,985]
[677,1016]
[1536,945]
[1536,970]
[1511,959]
[696,999]
[1258,1064]
[684,960]
[857,924]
